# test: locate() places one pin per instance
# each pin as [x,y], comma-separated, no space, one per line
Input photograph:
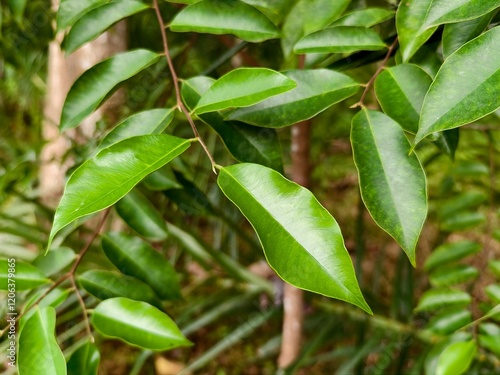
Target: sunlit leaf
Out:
[364,18]
[456,358]
[70,10]
[22,276]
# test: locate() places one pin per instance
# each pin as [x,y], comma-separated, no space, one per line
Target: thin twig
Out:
[175,79]
[84,308]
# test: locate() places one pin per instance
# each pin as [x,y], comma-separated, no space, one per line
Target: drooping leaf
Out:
[70,11]
[316,90]
[400,91]
[340,39]
[245,143]
[392,182]
[105,284]
[98,20]
[451,252]
[437,299]
[101,181]
[450,320]
[39,352]
[23,276]
[464,91]
[85,360]
[92,87]
[243,87]
[55,260]
[225,17]
[136,258]
[456,358]
[137,323]
[410,18]
[364,18]
[454,275]
[301,240]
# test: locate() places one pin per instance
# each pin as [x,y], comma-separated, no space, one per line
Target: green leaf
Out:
[464,91]
[490,337]
[162,179]
[447,142]
[54,299]
[400,91]
[493,293]
[136,258]
[245,143]
[437,299]
[494,266]
[85,360]
[153,121]
[225,17]
[70,10]
[464,201]
[302,241]
[450,320]
[92,87]
[456,358]
[409,21]
[432,357]
[105,284]
[316,90]
[22,276]
[243,87]
[463,221]
[392,182]
[364,18]
[451,252]
[55,260]
[142,216]
[449,276]
[101,181]
[17,8]
[98,20]
[340,39]
[137,323]
[39,352]
[275,10]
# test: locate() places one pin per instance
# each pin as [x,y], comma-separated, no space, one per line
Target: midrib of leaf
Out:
[417,110]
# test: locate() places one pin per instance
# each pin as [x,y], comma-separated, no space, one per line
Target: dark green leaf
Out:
[70,10]
[456,358]
[441,12]
[450,320]
[22,276]
[301,240]
[162,179]
[55,260]
[364,18]
[447,142]
[451,252]
[17,8]
[437,299]
[449,276]
[85,360]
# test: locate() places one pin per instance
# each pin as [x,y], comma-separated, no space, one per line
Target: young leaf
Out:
[340,39]
[85,360]
[392,182]
[98,20]
[463,90]
[243,87]
[316,90]
[39,352]
[451,252]
[302,242]
[25,275]
[101,181]
[456,358]
[364,18]
[92,87]
[137,323]
[437,299]
[136,258]
[70,10]
[225,17]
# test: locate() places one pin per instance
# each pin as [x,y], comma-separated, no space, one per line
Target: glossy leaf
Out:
[392,182]
[98,20]
[142,216]
[275,10]
[436,299]
[39,352]
[340,39]
[24,276]
[456,358]
[441,12]
[245,143]
[493,293]
[137,323]
[225,17]
[316,90]
[105,284]
[55,260]
[432,357]
[400,91]
[410,18]
[449,276]
[243,87]
[450,320]
[464,91]
[92,87]
[364,18]
[301,240]
[70,11]
[101,181]
[85,360]
[136,258]
[451,252]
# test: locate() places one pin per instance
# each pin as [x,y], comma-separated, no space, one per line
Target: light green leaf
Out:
[54,299]
[432,357]
[137,323]
[464,91]
[55,260]
[456,358]
[392,182]
[23,276]
[450,320]
[490,337]
[464,201]
[92,87]
[225,17]
[39,352]
[70,10]
[316,90]
[409,21]
[275,10]
[364,18]
[142,216]
[85,360]
[136,258]
[493,293]
[494,266]
[301,240]
[243,87]
[98,20]
[400,91]
[437,299]
[463,221]
[105,284]
[101,181]
[449,276]
[451,252]
[340,39]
